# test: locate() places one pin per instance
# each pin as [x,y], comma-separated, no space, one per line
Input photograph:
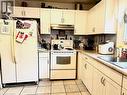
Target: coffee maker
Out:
[89,45]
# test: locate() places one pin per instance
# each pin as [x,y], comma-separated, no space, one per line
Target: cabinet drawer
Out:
[43,54]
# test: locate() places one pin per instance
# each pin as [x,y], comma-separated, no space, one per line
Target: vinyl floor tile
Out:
[29,90]
[3,90]
[45,83]
[14,91]
[78,82]
[74,93]
[58,89]
[85,93]
[71,88]
[43,94]
[59,94]
[82,88]
[66,82]
[57,83]
[46,89]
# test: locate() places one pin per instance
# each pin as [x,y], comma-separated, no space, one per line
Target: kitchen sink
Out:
[122,63]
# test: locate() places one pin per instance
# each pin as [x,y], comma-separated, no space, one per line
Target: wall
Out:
[121,25]
[38,4]
[53,4]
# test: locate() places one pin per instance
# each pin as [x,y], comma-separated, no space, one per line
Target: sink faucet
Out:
[117,53]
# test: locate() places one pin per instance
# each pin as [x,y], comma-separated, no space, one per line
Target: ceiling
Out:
[70,1]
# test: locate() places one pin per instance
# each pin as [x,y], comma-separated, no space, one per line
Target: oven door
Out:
[63,61]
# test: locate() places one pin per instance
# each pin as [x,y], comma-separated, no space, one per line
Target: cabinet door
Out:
[31,12]
[56,16]
[91,21]
[99,17]
[111,88]
[80,65]
[7,64]
[80,22]
[124,91]
[18,12]
[68,17]
[43,67]
[88,75]
[98,88]
[45,21]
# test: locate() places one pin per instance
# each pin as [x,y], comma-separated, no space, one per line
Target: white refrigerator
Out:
[18,50]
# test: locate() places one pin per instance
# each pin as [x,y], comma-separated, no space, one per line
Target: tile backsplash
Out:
[91,40]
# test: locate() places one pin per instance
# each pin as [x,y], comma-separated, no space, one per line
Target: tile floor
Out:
[46,87]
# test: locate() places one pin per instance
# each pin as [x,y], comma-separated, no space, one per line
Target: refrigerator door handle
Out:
[13,47]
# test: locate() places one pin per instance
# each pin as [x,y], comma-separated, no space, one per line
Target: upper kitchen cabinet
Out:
[62,16]
[122,26]
[102,18]
[26,12]
[80,22]
[45,21]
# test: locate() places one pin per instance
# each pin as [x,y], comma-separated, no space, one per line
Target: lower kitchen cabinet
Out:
[96,80]
[124,92]
[124,87]
[102,85]
[87,71]
[43,65]
[80,66]
[98,88]
[111,88]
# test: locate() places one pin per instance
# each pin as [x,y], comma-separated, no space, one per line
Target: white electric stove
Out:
[63,61]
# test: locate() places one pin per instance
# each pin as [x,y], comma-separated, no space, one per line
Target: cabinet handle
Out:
[123,94]
[24,13]
[62,20]
[85,66]
[86,58]
[103,81]
[93,29]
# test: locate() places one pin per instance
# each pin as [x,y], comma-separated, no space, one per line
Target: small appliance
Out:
[106,48]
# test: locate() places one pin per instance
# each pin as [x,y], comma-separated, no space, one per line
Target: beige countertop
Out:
[95,55]
[43,50]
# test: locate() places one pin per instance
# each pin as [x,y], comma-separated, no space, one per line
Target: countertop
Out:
[95,55]
[43,50]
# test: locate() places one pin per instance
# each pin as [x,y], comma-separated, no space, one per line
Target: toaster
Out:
[106,48]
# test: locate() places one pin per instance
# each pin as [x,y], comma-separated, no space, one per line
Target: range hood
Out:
[62,27]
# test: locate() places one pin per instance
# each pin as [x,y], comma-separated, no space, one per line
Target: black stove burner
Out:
[69,48]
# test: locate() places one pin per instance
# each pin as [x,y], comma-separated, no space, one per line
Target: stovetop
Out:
[68,50]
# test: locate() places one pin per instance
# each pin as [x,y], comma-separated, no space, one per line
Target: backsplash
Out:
[88,42]
[59,34]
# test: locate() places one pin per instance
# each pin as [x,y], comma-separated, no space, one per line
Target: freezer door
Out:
[27,57]
[7,62]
